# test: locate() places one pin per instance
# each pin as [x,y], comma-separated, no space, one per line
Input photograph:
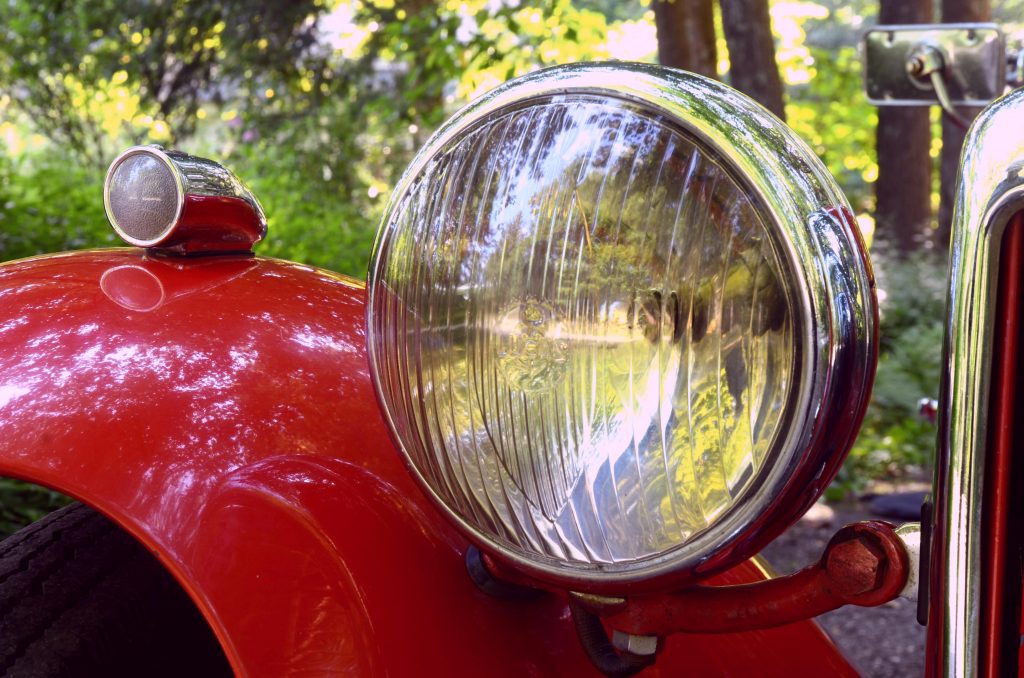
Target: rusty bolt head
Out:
[855,566]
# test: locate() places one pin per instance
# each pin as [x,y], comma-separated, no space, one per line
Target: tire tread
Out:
[79,596]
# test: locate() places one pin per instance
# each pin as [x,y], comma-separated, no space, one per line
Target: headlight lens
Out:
[589,334]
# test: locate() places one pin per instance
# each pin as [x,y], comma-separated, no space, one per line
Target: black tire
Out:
[80,597]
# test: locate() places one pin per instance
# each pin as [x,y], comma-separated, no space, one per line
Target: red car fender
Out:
[220,409]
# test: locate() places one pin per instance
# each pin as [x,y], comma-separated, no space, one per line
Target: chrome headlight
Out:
[621,324]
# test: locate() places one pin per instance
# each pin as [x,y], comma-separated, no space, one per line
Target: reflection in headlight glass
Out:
[587,347]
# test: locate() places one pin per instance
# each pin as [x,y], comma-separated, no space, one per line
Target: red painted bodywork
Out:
[999,471]
[220,409]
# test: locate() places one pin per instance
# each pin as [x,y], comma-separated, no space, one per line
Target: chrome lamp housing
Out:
[172,201]
[622,325]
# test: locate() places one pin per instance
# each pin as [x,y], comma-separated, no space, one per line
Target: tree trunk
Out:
[903,191]
[955,11]
[686,35]
[752,66]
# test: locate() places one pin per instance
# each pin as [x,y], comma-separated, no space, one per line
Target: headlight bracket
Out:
[865,564]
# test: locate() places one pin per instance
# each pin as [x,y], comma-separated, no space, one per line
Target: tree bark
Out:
[903,190]
[752,66]
[955,11]
[686,35]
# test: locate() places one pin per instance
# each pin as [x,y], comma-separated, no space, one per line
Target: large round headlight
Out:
[621,324]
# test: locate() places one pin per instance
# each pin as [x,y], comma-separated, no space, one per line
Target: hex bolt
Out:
[914,66]
[641,646]
[923,61]
[855,567]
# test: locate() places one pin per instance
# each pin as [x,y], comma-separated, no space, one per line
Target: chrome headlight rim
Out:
[805,217]
[160,155]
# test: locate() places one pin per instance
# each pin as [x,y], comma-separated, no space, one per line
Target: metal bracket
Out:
[867,564]
[478,571]
[864,564]
[921,65]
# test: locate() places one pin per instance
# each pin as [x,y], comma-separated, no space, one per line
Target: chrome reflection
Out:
[990,192]
[599,393]
[132,287]
[148,285]
[645,354]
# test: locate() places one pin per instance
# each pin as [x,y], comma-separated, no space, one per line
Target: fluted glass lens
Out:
[582,332]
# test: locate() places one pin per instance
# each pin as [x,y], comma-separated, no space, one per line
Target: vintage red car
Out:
[619,332]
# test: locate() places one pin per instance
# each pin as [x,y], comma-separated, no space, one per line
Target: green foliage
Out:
[831,113]
[322,155]
[314,221]
[22,503]
[49,205]
[95,71]
[894,441]
[818,54]
[320,134]
[438,57]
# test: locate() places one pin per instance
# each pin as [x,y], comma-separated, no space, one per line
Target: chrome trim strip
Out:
[835,290]
[990,191]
